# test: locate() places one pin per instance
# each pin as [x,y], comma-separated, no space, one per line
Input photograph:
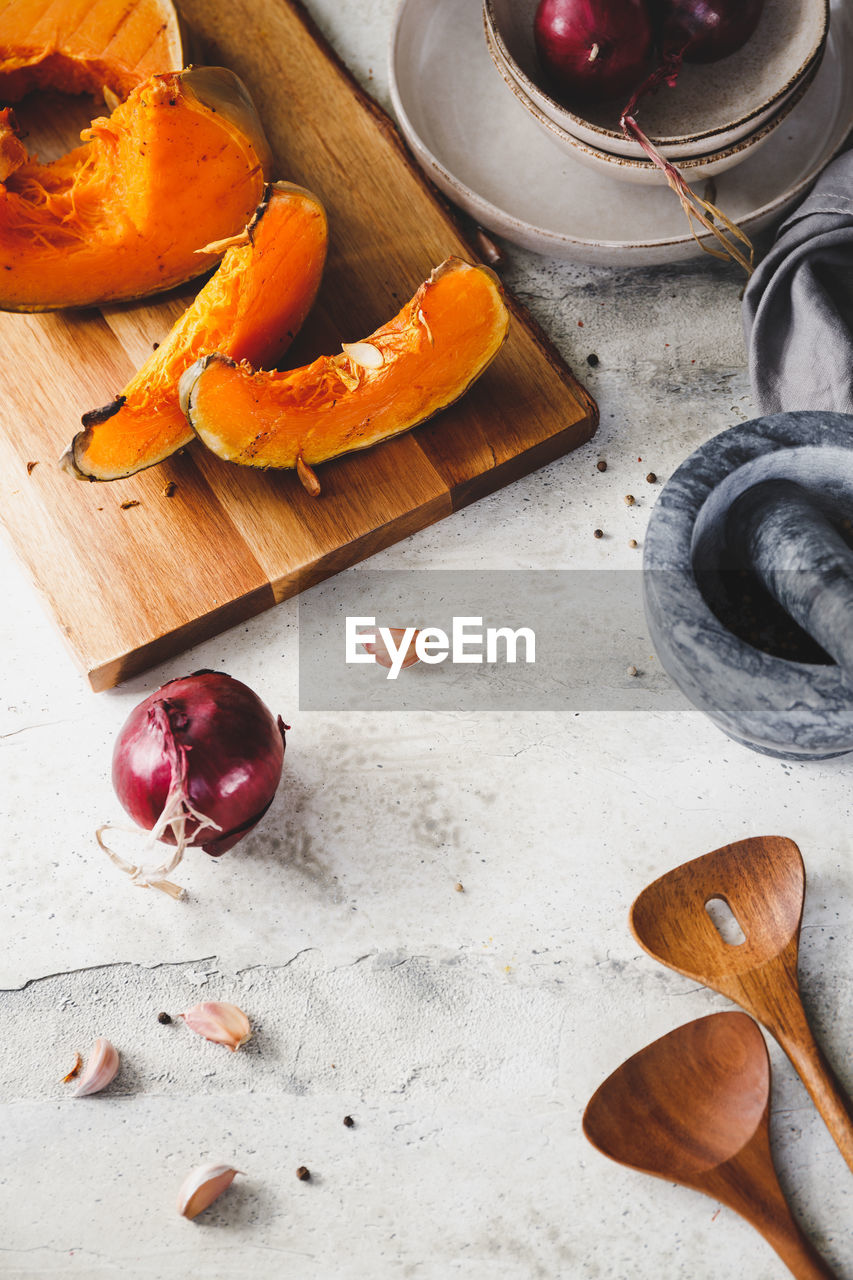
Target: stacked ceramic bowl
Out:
[718,114]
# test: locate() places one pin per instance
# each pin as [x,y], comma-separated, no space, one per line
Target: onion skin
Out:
[232,745]
[705,30]
[593,50]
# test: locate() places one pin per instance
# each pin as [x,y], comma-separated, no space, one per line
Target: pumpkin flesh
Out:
[250,310]
[79,46]
[181,163]
[409,369]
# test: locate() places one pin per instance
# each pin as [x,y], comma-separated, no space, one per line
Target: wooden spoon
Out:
[762,881]
[693,1108]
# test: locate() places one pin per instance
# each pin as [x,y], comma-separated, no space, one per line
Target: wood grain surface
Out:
[130,585]
[762,881]
[694,1107]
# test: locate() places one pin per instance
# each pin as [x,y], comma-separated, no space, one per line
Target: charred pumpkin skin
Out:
[80,46]
[180,164]
[428,356]
[250,310]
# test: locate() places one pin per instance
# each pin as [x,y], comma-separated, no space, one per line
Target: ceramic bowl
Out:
[714,106]
[695,168]
[486,153]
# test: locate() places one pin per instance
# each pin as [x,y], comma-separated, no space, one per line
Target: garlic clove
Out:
[220,1022]
[100,1069]
[382,654]
[200,1188]
[364,354]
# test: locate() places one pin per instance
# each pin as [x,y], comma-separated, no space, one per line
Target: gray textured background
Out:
[463,1031]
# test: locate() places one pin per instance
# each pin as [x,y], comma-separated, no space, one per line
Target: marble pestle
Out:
[777,530]
[789,479]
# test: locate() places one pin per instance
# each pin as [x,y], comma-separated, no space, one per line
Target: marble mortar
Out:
[792,709]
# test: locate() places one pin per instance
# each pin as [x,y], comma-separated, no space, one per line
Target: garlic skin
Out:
[100,1069]
[75,1070]
[202,1186]
[219,1022]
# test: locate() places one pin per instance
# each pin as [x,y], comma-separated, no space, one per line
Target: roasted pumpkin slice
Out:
[250,310]
[415,365]
[81,46]
[182,163]
[13,153]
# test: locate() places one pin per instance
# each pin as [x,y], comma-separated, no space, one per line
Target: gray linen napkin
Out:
[798,306]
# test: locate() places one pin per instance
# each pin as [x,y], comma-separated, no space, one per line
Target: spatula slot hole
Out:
[725,922]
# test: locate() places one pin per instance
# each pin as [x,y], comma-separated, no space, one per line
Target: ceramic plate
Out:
[716,103]
[481,147]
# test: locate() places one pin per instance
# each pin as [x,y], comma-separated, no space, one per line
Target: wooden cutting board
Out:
[133,584]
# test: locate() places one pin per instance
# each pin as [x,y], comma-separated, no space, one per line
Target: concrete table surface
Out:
[463,1032]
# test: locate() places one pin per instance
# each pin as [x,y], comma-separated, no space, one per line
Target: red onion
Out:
[695,31]
[705,30]
[698,31]
[197,764]
[593,49]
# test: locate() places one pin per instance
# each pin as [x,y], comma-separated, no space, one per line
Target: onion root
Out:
[698,210]
[176,811]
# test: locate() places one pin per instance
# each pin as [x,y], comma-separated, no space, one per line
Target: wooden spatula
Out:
[693,1108]
[762,881]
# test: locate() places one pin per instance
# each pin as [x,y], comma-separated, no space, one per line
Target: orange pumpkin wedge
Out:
[179,165]
[415,365]
[13,153]
[250,310]
[80,46]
